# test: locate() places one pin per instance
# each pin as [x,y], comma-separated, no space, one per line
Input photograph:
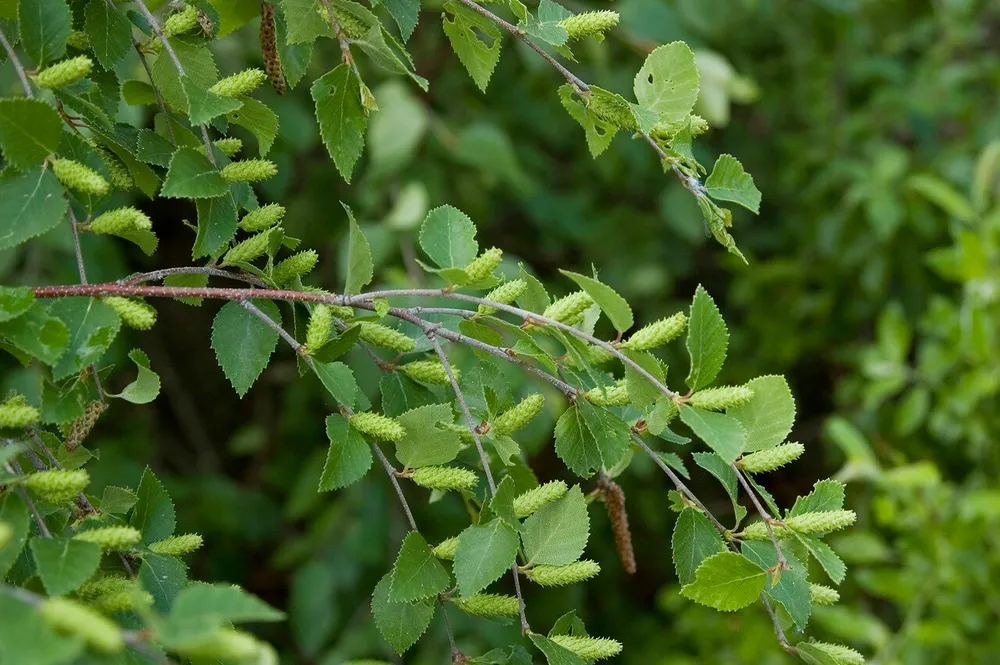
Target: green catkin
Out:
[121,179]
[461,430]
[840,654]
[113,595]
[225,644]
[134,313]
[519,415]
[656,334]
[445,478]
[58,486]
[295,266]
[111,538]
[613,110]
[504,294]
[71,618]
[568,308]
[769,460]
[120,220]
[386,337]
[79,40]
[488,605]
[446,549]
[823,595]
[353,27]
[721,398]
[484,264]
[589,23]
[180,22]
[80,428]
[262,218]
[75,175]
[16,413]
[240,84]
[589,648]
[318,330]
[614,395]
[249,170]
[248,250]
[578,571]
[527,503]
[815,523]
[429,371]
[177,545]
[378,426]
[229,146]
[64,73]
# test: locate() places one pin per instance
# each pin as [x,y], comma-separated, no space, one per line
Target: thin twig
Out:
[158,275]
[456,655]
[777,626]
[273,325]
[83,280]
[156,90]
[17,64]
[13,467]
[782,562]
[395,483]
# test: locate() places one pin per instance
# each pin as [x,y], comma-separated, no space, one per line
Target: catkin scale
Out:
[80,428]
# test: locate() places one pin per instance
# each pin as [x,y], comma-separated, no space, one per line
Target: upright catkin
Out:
[614,502]
[269,48]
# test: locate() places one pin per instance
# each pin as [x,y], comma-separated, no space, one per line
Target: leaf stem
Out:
[782,562]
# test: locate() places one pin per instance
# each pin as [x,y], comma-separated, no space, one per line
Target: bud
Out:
[58,485]
[769,460]
[484,264]
[445,478]
[72,618]
[248,250]
[656,334]
[839,654]
[240,84]
[7,532]
[181,22]
[589,648]
[82,178]
[823,595]
[532,500]
[64,73]
[589,23]
[518,415]
[120,220]
[572,573]
[121,179]
[698,125]
[295,266]
[249,170]
[614,395]
[15,413]
[111,538]
[262,218]
[504,294]
[429,371]
[807,523]
[386,337]
[134,313]
[177,545]
[377,426]
[269,48]
[488,605]
[79,40]
[569,307]
[721,398]
[81,427]
[229,146]
[225,644]
[446,549]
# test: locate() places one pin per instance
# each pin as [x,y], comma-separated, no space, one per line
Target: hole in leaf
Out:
[650,78]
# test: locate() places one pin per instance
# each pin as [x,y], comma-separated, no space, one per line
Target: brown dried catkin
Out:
[614,502]
[269,48]
[81,427]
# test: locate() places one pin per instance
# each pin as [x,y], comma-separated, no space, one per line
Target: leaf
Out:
[417,573]
[13,513]
[943,195]
[259,120]
[695,539]
[426,444]
[154,511]
[546,25]
[15,301]
[478,54]
[668,82]
[641,392]
[400,394]
[31,203]
[338,346]
[30,131]
[405,13]
[163,577]
[192,176]
[729,182]
[243,343]
[556,533]
[220,604]
[599,133]
[721,432]
[769,415]
[199,68]
[64,564]
[341,118]
[37,334]
[792,590]
[726,581]
[349,457]
[589,437]
[117,500]
[93,325]
[484,553]
[707,340]
[360,268]
[45,26]
[25,638]
[204,105]
[613,305]
[812,655]
[554,653]
[140,93]
[824,554]
[304,23]
[725,475]
[448,237]
[401,624]
[217,225]
[826,495]
[338,379]
[109,32]
[502,503]
[146,386]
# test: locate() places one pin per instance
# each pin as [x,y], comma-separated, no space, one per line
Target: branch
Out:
[395,483]
[782,562]
[17,64]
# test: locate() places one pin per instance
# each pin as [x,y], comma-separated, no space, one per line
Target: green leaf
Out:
[92,325]
[812,655]
[417,573]
[826,495]
[163,577]
[217,222]
[117,500]
[146,386]
[426,444]
[140,93]
[30,131]
[154,511]
[589,437]
[109,32]
[221,603]
[243,343]
[338,379]
[448,237]
[725,475]
[31,203]
[668,82]
[25,638]
[349,457]
[45,26]
[341,118]
[204,105]
[479,54]
[303,21]
[556,533]
[641,392]
[613,305]
[338,346]
[13,513]
[721,432]
[64,564]
[707,340]
[943,195]
[769,415]
[792,590]
[199,68]
[192,176]
[824,554]
[729,182]
[484,553]
[37,334]
[695,539]
[259,120]
[360,268]
[555,654]
[546,25]
[726,581]
[15,301]
[502,503]
[401,624]
[405,13]
[400,394]
[535,298]
[599,132]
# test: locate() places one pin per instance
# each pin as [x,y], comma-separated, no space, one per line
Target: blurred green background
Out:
[873,285]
